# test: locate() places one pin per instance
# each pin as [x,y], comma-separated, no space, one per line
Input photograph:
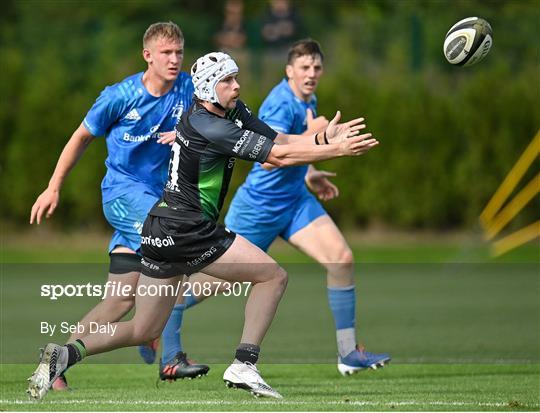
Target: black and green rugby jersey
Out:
[203,156]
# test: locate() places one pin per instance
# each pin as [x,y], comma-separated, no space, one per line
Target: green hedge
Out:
[448,135]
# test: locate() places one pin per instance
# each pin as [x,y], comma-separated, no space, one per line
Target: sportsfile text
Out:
[118,289]
[109,289]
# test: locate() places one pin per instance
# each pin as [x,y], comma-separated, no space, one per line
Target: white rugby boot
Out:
[246,376]
[52,363]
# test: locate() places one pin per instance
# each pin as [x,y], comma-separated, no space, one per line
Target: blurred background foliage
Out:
[449,135]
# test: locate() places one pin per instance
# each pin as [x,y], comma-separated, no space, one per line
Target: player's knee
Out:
[340,261]
[342,257]
[271,273]
[346,257]
[118,305]
[281,277]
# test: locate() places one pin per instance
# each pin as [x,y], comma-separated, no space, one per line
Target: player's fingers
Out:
[363,146]
[354,122]
[167,138]
[39,213]
[326,173]
[309,115]
[336,118]
[329,190]
[369,144]
[358,127]
[358,138]
[33,213]
[164,134]
[51,210]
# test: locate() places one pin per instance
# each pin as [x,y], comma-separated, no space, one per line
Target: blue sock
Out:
[342,302]
[172,336]
[189,300]
[171,339]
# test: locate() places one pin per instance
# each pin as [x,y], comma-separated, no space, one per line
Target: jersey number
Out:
[173,167]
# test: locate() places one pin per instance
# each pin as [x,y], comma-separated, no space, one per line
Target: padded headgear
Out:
[208,71]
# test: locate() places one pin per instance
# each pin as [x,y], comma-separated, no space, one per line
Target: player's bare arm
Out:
[47,201]
[334,132]
[351,144]
[314,125]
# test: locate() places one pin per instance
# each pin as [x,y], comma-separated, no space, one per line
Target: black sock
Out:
[75,352]
[247,352]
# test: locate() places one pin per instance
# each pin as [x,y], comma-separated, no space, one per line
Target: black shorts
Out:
[172,247]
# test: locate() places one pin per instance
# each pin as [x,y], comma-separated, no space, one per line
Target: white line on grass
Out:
[268,402]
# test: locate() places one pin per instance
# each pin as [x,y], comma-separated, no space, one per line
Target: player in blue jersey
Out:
[181,234]
[137,116]
[278,202]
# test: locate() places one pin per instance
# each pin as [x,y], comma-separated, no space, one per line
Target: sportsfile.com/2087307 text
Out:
[117,288]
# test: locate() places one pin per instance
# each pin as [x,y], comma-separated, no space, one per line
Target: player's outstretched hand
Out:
[318,183]
[46,203]
[358,144]
[336,132]
[315,125]
[167,138]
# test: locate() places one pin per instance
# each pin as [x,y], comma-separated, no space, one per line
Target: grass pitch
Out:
[463,331]
[416,387]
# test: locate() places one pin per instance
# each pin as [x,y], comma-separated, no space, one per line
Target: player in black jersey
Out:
[181,235]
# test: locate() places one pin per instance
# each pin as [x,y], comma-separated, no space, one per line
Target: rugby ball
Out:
[468,41]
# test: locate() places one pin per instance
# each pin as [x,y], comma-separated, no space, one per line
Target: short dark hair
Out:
[168,30]
[304,47]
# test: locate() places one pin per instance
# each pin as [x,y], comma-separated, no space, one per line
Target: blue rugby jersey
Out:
[273,190]
[130,118]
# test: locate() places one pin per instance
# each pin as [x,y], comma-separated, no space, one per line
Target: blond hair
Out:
[167,30]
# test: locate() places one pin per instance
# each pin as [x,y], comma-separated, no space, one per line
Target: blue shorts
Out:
[127,214]
[262,227]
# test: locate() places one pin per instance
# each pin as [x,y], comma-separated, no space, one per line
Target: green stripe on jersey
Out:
[211,173]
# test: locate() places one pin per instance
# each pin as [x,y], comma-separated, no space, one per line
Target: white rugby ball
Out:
[468,41]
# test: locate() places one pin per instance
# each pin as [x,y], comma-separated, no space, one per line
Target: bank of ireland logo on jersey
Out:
[177,111]
[133,115]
